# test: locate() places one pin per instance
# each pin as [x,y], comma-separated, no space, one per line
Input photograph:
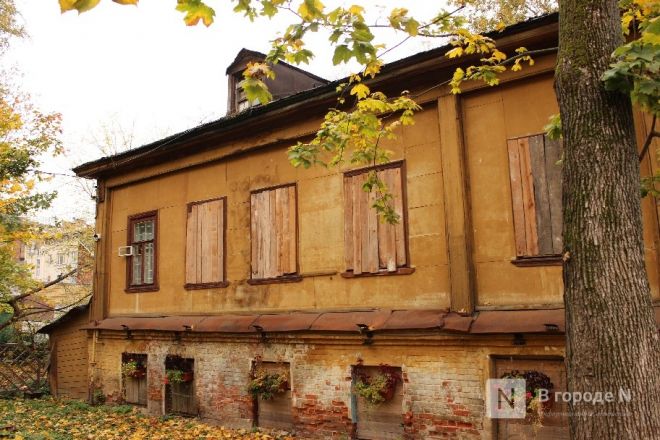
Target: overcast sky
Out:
[140,72]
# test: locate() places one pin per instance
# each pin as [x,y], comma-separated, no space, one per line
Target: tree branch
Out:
[528,53]
[60,278]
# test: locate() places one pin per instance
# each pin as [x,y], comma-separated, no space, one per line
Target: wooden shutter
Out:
[276,413]
[373,245]
[205,243]
[273,230]
[536,195]
[384,421]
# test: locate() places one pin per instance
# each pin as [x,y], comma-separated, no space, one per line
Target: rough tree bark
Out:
[611,338]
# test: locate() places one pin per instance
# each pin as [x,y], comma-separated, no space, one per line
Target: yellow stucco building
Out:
[219,259]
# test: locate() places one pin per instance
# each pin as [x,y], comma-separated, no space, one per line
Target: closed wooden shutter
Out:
[373,245]
[536,195]
[276,413]
[383,421]
[205,243]
[273,230]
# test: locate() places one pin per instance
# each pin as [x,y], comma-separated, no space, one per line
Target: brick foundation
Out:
[443,384]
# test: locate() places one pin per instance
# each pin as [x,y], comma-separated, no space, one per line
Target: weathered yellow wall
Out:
[320,214]
[490,116]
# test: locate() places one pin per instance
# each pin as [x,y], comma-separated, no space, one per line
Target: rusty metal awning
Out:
[485,322]
[481,323]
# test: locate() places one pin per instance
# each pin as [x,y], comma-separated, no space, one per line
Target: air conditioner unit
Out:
[125,251]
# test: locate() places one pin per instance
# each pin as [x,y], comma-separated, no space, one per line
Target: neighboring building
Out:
[217,257]
[66,248]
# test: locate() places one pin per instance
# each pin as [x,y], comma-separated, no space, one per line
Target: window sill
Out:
[139,289]
[283,279]
[220,285]
[538,260]
[399,271]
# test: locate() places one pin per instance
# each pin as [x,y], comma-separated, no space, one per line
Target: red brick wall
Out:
[443,380]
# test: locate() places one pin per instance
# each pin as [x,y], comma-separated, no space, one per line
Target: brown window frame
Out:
[153,286]
[407,268]
[521,228]
[289,278]
[214,285]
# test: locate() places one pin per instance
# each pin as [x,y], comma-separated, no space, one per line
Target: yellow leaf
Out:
[360,90]
[78,5]
[499,56]
[126,2]
[356,10]
[455,52]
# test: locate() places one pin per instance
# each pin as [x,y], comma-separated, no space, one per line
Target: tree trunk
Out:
[612,342]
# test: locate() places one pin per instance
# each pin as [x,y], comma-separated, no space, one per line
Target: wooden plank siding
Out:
[205,243]
[372,245]
[71,359]
[274,232]
[536,195]
[135,390]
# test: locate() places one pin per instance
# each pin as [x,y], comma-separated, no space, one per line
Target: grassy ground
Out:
[49,419]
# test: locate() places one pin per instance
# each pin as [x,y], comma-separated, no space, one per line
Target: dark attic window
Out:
[240,98]
[180,385]
[134,378]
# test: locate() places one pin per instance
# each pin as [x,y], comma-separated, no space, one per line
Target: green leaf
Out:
[256,91]
[412,27]
[268,8]
[342,54]
[553,127]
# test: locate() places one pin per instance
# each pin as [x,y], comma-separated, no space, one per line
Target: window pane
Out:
[136,232]
[143,231]
[149,230]
[137,265]
[148,263]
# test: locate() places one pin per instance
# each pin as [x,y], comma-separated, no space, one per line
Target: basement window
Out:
[551,421]
[272,410]
[180,386]
[379,412]
[134,378]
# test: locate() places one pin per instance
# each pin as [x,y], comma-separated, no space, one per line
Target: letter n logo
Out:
[505,398]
